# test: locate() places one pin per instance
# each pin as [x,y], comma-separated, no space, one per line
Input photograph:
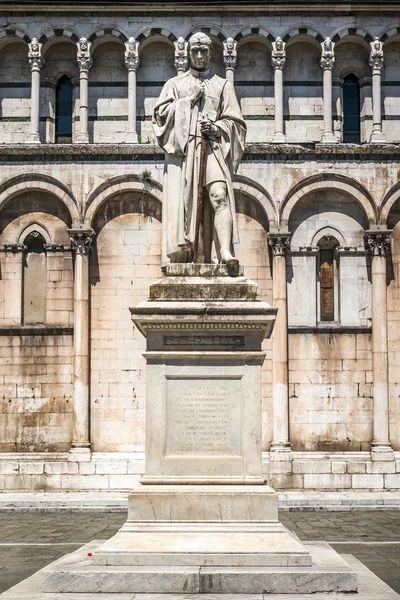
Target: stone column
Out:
[230,55]
[181,55]
[279,243]
[278,62]
[36,62]
[84,63]
[379,244]
[327,62]
[376,64]
[81,241]
[132,62]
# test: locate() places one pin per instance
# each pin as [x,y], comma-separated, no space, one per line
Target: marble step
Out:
[75,573]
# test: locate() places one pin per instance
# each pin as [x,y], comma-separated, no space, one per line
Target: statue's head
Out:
[200,47]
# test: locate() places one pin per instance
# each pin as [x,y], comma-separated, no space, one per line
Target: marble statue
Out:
[194,104]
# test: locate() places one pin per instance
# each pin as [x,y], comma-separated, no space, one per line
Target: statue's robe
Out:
[177,128]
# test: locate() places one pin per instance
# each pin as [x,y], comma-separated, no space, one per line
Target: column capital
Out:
[376,55]
[181,54]
[36,61]
[132,60]
[81,240]
[84,58]
[378,242]
[230,53]
[278,56]
[279,242]
[327,54]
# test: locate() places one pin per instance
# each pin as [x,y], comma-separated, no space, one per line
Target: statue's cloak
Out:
[177,128]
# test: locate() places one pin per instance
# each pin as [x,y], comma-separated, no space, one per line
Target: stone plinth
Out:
[203,520]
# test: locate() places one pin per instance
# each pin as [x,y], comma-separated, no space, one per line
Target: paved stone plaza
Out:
[30,541]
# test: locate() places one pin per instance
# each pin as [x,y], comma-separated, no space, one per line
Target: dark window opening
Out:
[351,110]
[64,111]
[34,280]
[328,279]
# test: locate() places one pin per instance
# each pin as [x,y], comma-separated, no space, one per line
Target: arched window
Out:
[328,280]
[351,110]
[34,280]
[64,111]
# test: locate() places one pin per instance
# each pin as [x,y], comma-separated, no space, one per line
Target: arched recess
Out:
[34,228]
[254,82]
[259,196]
[303,32]
[53,34]
[324,181]
[157,53]
[303,86]
[97,36]
[15,73]
[389,209]
[115,185]
[34,182]
[124,262]
[390,81]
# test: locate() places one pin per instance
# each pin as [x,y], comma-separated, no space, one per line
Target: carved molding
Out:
[14,248]
[376,56]
[84,58]
[174,325]
[81,240]
[230,53]
[181,54]
[279,242]
[278,56]
[193,340]
[132,60]
[327,54]
[35,58]
[378,242]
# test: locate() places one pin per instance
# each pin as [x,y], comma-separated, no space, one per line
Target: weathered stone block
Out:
[368,481]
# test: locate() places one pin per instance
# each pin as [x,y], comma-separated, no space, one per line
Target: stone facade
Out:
[72,373]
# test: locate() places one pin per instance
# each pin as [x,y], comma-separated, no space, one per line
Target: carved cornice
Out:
[378,242]
[14,248]
[35,58]
[278,56]
[132,60]
[328,54]
[181,54]
[279,243]
[376,56]
[84,58]
[81,240]
[230,53]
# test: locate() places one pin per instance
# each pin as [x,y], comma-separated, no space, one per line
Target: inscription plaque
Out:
[204,417]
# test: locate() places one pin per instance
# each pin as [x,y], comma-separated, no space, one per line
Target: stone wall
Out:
[310,191]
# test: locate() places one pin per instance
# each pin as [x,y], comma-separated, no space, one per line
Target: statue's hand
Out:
[198,92]
[207,127]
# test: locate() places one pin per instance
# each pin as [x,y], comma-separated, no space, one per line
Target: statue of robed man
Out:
[193,104]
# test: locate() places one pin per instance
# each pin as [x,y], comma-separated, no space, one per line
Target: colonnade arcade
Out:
[351,62]
[277,227]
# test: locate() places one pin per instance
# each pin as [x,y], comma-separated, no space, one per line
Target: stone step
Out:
[75,573]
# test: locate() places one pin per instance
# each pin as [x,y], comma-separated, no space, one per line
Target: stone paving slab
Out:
[370,588]
[118,501]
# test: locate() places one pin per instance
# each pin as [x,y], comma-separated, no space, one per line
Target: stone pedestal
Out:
[203,519]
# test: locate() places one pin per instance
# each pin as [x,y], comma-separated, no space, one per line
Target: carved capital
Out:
[181,54]
[132,60]
[36,61]
[327,54]
[81,240]
[376,56]
[278,56]
[279,242]
[230,53]
[378,242]
[84,58]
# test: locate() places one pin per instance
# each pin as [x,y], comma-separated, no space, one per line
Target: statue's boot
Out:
[223,227]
